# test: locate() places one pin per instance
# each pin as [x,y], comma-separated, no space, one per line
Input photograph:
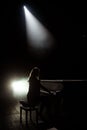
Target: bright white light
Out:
[20,87]
[24,7]
[38,36]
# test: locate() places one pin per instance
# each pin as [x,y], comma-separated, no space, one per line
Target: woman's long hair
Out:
[35,72]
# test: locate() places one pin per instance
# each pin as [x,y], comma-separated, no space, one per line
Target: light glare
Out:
[20,87]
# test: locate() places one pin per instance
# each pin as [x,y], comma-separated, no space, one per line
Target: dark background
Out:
[67,25]
[66,61]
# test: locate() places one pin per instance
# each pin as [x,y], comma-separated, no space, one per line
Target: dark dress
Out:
[33,95]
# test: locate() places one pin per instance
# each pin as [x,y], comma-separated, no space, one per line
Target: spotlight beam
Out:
[38,36]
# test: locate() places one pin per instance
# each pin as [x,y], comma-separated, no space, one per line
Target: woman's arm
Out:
[45,89]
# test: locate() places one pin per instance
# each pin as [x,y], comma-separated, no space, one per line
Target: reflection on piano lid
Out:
[52,86]
[52,92]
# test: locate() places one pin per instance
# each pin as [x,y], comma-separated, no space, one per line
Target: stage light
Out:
[24,7]
[20,87]
[38,36]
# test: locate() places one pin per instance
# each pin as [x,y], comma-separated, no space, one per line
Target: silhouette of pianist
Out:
[33,95]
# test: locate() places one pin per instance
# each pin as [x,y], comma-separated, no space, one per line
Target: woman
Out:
[34,87]
[33,96]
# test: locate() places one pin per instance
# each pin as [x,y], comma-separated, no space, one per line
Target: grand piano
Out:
[74,103]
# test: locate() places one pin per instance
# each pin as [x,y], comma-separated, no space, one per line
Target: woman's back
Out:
[34,90]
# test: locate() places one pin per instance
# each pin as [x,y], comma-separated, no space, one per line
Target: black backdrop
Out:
[69,28]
